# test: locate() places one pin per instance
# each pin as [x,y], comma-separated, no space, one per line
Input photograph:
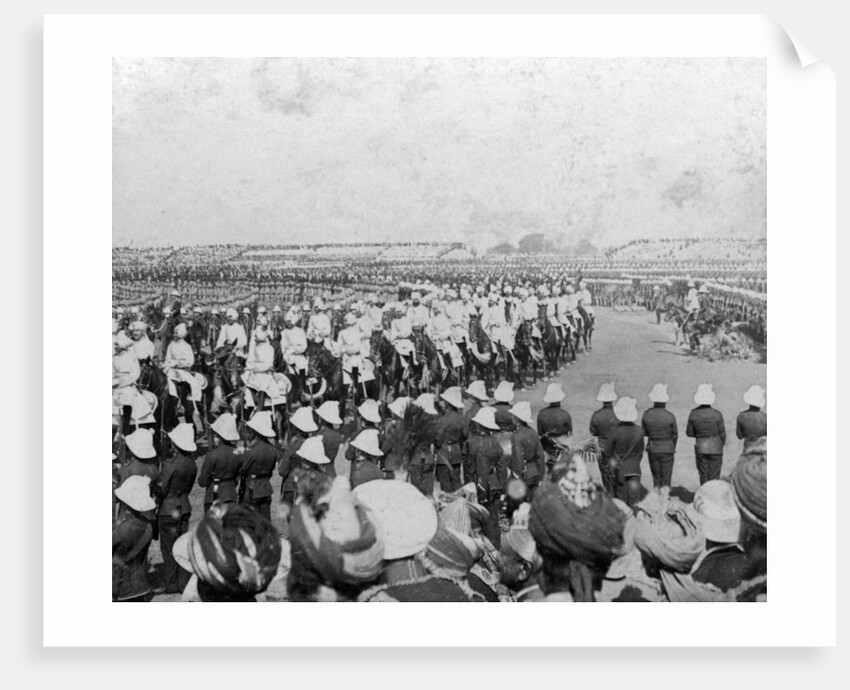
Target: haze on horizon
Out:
[318,150]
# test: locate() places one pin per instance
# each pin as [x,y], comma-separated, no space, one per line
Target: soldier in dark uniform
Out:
[451,436]
[302,426]
[601,422]
[175,484]
[131,538]
[707,427]
[368,417]
[660,428]
[553,421]
[504,395]
[751,424]
[222,465]
[258,464]
[477,393]
[329,423]
[421,453]
[624,450]
[366,465]
[143,458]
[491,469]
[392,445]
[528,461]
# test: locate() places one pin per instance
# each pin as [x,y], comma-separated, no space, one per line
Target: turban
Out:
[450,553]
[749,481]
[564,530]
[666,532]
[235,549]
[343,546]
[456,517]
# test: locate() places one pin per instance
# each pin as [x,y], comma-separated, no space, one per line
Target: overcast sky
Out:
[279,150]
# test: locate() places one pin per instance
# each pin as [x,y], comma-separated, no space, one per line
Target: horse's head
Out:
[523,335]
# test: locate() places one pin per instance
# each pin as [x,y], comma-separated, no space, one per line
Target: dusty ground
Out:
[634,352]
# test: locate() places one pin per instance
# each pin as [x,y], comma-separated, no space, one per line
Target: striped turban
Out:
[235,550]
[450,553]
[561,528]
[337,539]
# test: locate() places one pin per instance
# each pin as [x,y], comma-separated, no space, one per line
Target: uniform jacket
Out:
[625,441]
[418,315]
[401,329]
[553,421]
[602,421]
[391,446]
[233,334]
[131,539]
[504,418]
[364,468]
[331,442]
[351,451]
[221,466]
[659,426]
[142,348]
[261,358]
[175,483]
[751,423]
[527,458]
[289,461]
[423,453]
[491,466]
[451,434]
[258,464]
[125,369]
[179,355]
[706,425]
[472,429]
[293,341]
[142,469]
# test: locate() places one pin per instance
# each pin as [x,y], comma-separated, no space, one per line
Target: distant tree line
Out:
[539,243]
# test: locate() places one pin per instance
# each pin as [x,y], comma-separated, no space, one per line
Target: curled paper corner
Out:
[796,48]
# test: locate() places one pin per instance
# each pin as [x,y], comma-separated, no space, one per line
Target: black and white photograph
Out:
[439,329]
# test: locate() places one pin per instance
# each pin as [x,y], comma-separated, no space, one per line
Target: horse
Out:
[387,364]
[550,343]
[527,353]
[479,352]
[690,326]
[324,376]
[587,327]
[159,326]
[153,379]
[427,363]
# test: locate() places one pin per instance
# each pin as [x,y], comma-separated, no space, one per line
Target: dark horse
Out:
[690,326]
[528,353]
[587,327]
[153,380]
[387,364]
[479,353]
[324,376]
[551,343]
